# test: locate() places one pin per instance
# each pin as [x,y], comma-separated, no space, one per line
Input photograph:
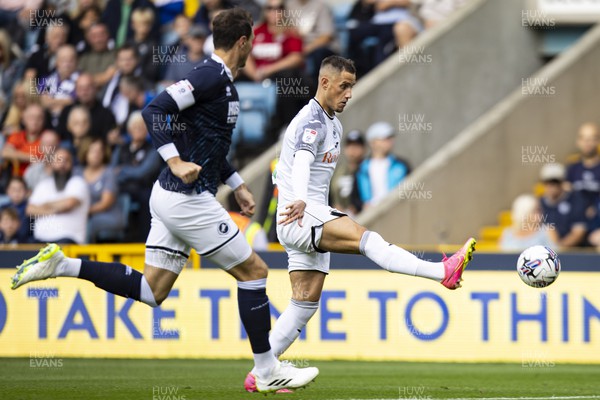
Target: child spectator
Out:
[17,193]
[10,225]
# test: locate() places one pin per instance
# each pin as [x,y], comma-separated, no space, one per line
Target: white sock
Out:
[68,267]
[290,323]
[146,295]
[396,259]
[264,363]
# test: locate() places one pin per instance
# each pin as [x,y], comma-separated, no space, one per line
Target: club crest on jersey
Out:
[234,110]
[227,91]
[309,136]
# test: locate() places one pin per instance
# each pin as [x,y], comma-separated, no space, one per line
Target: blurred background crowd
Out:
[76,161]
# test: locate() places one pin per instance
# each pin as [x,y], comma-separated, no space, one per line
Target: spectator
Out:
[10,225]
[203,15]
[41,168]
[132,89]
[21,146]
[138,165]
[42,61]
[118,14]
[17,193]
[252,231]
[127,65]
[344,192]
[432,12]
[23,95]
[105,212]
[99,60]
[181,27]
[11,70]
[102,119]
[87,17]
[314,22]
[387,13]
[277,54]
[528,226]
[143,20]
[60,204]
[209,44]
[190,55]
[381,172]
[584,175]
[58,88]
[78,126]
[563,210]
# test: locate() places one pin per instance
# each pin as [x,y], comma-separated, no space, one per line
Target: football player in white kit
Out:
[309,229]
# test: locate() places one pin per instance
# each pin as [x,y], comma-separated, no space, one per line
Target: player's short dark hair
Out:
[339,64]
[229,26]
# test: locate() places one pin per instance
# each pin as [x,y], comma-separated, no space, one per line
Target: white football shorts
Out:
[302,242]
[184,221]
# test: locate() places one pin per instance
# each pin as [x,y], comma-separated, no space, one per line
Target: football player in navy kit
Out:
[202,110]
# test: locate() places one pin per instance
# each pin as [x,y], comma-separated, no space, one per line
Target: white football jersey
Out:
[313,130]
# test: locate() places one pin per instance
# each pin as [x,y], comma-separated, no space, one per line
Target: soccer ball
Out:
[538,266]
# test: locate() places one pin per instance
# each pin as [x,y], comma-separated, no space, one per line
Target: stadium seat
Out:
[257,105]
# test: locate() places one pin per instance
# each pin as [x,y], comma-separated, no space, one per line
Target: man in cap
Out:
[381,172]
[562,210]
[344,194]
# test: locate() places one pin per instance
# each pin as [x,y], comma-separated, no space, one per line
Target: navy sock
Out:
[115,278]
[256,317]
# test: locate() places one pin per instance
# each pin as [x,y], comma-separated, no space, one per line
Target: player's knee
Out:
[160,295]
[259,267]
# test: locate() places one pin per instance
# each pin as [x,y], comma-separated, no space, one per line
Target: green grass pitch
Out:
[63,379]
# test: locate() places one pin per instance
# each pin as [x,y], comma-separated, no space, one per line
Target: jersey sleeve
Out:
[162,139]
[309,136]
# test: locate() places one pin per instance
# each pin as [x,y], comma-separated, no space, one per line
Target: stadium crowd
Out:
[76,163]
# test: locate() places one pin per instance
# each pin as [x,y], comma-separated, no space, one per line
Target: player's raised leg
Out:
[343,235]
[117,278]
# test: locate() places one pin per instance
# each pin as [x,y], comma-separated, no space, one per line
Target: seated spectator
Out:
[78,126]
[277,54]
[102,119]
[10,224]
[314,22]
[563,210]
[11,70]
[137,165]
[17,193]
[189,56]
[42,61]
[23,95]
[528,226]
[127,65]
[41,168]
[21,146]
[87,16]
[584,175]
[381,172]
[432,12]
[59,205]
[99,59]
[181,27]
[58,89]
[142,20]
[203,15]
[104,212]
[344,194]
[118,17]
[209,44]
[387,13]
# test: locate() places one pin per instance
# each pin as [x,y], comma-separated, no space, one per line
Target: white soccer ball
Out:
[538,266]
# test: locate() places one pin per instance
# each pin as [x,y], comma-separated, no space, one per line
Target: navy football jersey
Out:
[585,180]
[194,118]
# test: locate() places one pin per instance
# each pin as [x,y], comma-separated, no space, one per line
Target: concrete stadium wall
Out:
[477,174]
[477,57]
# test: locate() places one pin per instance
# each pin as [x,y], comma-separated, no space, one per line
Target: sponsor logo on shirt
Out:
[234,110]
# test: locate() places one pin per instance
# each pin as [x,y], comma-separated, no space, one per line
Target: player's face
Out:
[340,90]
